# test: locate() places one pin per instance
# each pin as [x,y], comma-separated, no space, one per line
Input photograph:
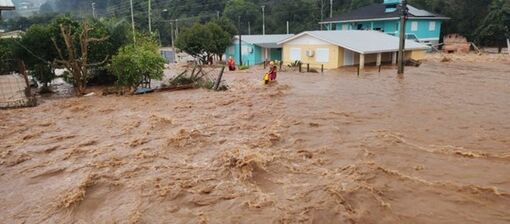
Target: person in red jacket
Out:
[272,71]
[231,64]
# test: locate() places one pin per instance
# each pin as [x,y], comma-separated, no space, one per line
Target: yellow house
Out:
[334,49]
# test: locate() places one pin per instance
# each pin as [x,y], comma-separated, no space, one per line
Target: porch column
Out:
[361,61]
[394,58]
[379,58]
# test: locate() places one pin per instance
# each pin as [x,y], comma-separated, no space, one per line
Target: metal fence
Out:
[15,92]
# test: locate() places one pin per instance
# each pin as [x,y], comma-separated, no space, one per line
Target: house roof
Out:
[361,41]
[6,5]
[378,12]
[265,41]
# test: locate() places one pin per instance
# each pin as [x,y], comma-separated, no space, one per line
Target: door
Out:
[348,57]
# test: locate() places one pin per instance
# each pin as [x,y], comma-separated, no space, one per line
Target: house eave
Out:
[7,8]
[382,19]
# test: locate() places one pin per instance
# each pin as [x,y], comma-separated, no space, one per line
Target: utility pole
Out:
[93,10]
[263,20]
[401,49]
[176,28]
[330,8]
[149,12]
[218,14]
[287,27]
[240,47]
[172,35]
[322,13]
[249,28]
[133,22]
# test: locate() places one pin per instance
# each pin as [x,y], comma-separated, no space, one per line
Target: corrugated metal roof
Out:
[266,41]
[6,4]
[361,41]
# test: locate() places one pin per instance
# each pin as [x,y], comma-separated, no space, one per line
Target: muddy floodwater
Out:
[433,147]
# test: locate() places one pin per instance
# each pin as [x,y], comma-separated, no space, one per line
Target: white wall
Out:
[307,40]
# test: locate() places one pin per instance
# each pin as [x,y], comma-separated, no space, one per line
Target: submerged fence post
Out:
[281,63]
[218,81]
[299,63]
[322,68]
[380,68]
[358,69]
[308,67]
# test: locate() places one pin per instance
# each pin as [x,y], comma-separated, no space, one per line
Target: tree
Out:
[75,58]
[495,27]
[195,41]
[37,56]
[135,62]
[44,73]
[226,24]
[7,53]
[220,39]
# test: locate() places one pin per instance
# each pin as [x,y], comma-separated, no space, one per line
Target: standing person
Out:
[231,64]
[272,71]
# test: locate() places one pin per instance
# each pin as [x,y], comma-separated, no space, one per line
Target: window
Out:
[432,25]
[322,55]
[414,26]
[360,26]
[295,54]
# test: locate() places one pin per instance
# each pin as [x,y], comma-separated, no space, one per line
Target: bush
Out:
[133,62]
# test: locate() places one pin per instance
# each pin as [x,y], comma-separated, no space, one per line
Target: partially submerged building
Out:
[255,49]
[334,49]
[6,5]
[421,25]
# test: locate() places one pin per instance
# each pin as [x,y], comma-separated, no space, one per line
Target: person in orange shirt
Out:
[231,64]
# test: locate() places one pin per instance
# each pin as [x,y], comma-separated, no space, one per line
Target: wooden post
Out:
[265,64]
[358,70]
[281,63]
[218,81]
[308,67]
[380,68]
[299,63]
[361,61]
[322,68]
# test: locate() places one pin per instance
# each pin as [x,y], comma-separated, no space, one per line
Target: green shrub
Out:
[133,62]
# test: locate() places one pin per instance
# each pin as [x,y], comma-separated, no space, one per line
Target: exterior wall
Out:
[254,57]
[341,56]
[423,33]
[333,60]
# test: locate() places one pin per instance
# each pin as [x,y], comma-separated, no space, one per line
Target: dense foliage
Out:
[134,62]
[205,40]
[495,28]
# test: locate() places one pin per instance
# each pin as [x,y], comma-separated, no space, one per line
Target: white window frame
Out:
[414,26]
[295,54]
[432,26]
[322,55]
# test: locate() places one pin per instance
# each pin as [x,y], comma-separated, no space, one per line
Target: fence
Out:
[15,91]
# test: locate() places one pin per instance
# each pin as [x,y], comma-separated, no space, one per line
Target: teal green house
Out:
[255,49]
[422,26]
